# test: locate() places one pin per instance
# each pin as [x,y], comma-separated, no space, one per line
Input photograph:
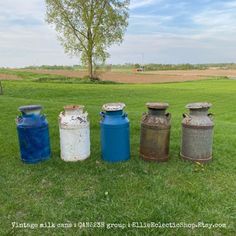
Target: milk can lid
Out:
[30,108]
[113,106]
[198,105]
[157,105]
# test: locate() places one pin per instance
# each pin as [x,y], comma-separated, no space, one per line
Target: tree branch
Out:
[65,14]
[99,20]
[77,38]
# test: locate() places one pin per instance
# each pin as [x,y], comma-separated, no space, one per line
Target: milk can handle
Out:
[60,115]
[43,117]
[18,119]
[168,116]
[102,114]
[211,116]
[185,115]
[125,115]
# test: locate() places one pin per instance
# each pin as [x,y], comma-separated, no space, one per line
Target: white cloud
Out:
[32,46]
[217,22]
[25,39]
[171,48]
[141,3]
[229,4]
[24,9]
[215,18]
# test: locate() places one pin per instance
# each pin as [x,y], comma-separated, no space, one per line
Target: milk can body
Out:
[74,134]
[155,133]
[33,134]
[197,133]
[115,133]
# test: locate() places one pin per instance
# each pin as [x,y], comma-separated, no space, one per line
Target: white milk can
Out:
[74,133]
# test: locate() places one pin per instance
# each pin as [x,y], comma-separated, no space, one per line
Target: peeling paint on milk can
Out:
[33,134]
[115,141]
[197,133]
[155,133]
[74,133]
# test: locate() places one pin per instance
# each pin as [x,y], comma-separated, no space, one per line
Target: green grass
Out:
[135,191]
[50,78]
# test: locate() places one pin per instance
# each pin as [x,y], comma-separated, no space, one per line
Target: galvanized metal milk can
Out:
[197,133]
[33,134]
[74,133]
[115,141]
[155,133]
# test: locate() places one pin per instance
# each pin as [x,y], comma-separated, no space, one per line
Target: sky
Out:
[159,31]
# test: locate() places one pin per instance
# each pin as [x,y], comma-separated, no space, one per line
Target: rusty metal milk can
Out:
[155,133]
[197,133]
[74,133]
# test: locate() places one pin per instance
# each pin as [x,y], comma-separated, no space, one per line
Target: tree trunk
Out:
[90,55]
[1,88]
[90,67]
[91,73]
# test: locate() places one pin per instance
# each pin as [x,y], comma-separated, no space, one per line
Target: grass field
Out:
[116,76]
[135,191]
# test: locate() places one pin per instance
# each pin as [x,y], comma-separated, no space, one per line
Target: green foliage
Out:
[88,28]
[137,66]
[153,67]
[90,191]
[55,67]
[148,67]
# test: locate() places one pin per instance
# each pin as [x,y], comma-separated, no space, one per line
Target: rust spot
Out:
[73,107]
[155,133]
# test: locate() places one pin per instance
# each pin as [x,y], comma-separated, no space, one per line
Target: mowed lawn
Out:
[134,191]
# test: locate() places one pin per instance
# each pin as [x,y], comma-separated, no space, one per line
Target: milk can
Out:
[155,133]
[115,143]
[74,133]
[33,134]
[197,133]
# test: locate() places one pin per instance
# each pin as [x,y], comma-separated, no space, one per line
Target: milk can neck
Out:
[156,112]
[199,112]
[114,113]
[74,112]
[31,113]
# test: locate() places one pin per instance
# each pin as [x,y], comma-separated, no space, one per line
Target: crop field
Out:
[134,191]
[130,76]
[8,77]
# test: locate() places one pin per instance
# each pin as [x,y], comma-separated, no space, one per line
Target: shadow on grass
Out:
[69,80]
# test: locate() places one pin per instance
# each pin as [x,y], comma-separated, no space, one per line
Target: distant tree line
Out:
[153,67]
[54,67]
[147,67]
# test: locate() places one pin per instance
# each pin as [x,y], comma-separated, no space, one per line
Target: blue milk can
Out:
[33,134]
[115,133]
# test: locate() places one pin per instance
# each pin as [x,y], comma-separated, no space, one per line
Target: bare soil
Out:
[8,77]
[147,77]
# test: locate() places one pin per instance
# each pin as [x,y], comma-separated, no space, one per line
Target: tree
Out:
[87,28]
